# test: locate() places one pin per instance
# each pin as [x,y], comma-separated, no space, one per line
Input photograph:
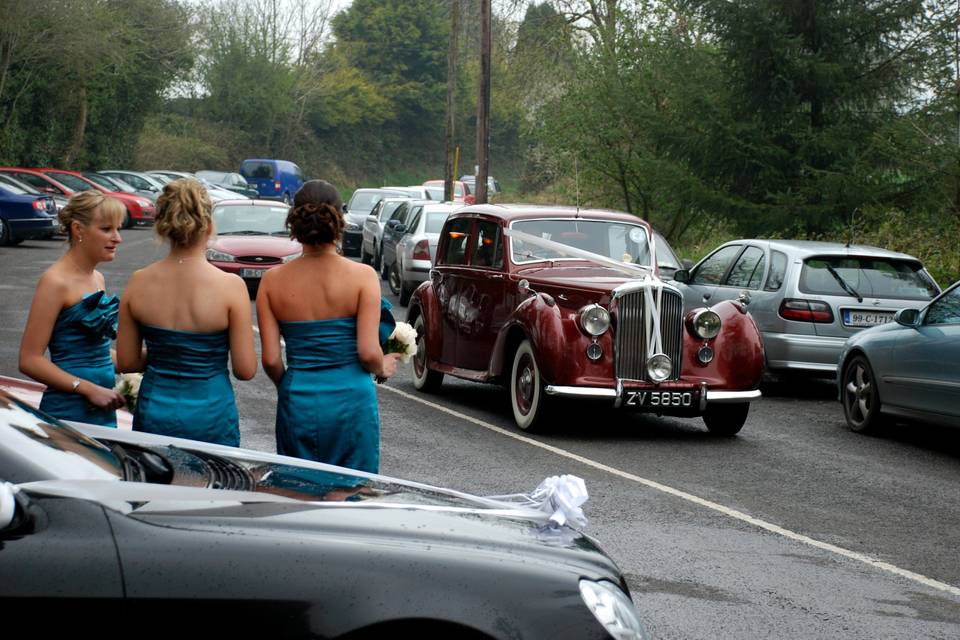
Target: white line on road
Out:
[683,495]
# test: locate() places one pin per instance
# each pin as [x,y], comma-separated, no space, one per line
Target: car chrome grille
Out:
[224,474]
[631,339]
[258,259]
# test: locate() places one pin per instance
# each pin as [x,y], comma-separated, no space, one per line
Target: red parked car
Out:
[251,238]
[558,302]
[140,211]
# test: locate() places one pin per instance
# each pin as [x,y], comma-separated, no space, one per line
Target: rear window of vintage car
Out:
[870,277]
[617,240]
[250,220]
[257,169]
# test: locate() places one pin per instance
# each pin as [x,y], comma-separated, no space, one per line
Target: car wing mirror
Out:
[400,228]
[345,208]
[682,275]
[393,224]
[907,317]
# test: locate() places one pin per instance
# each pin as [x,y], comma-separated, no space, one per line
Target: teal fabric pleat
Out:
[80,345]
[186,390]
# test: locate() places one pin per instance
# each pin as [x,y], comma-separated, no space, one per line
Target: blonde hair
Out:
[183,212]
[82,208]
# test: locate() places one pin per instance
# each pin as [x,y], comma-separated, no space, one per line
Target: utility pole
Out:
[483,105]
[450,164]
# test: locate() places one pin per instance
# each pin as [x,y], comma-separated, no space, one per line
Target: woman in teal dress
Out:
[329,312]
[74,318]
[194,321]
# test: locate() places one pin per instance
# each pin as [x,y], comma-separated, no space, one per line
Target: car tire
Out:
[406,290]
[860,396]
[127,220]
[365,257]
[527,396]
[393,279]
[384,268]
[726,419]
[378,258]
[5,234]
[424,379]
[286,199]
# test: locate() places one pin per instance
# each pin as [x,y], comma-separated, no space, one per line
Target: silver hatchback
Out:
[417,249]
[808,297]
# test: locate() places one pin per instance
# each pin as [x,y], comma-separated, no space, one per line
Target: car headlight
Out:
[290,257]
[707,324]
[144,203]
[613,609]
[659,367]
[594,319]
[351,226]
[219,256]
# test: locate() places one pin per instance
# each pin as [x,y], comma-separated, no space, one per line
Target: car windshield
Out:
[12,189]
[71,182]
[869,277]
[254,169]
[435,221]
[364,201]
[240,219]
[616,240]
[212,176]
[666,258]
[31,440]
[13,182]
[108,183]
[435,193]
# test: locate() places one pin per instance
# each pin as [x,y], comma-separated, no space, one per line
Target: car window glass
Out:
[869,276]
[12,189]
[137,182]
[778,270]
[457,237]
[415,220]
[665,255]
[435,221]
[946,310]
[744,271]
[488,251]
[257,169]
[712,269]
[250,220]
[400,213]
[387,210]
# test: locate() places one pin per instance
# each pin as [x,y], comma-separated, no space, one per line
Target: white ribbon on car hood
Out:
[653,289]
[559,496]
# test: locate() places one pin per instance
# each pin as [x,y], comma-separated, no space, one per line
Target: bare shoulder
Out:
[363,272]
[53,282]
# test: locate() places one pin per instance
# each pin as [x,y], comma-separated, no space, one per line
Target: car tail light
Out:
[806,310]
[40,205]
[276,185]
[421,251]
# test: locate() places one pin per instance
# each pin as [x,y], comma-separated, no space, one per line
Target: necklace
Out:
[182,259]
[310,254]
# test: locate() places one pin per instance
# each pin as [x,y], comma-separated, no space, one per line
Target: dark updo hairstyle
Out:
[316,216]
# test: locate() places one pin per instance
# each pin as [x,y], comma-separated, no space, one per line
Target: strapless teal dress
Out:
[327,405]
[186,391]
[80,345]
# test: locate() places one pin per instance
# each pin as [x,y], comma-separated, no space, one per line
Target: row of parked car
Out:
[31,197]
[874,319]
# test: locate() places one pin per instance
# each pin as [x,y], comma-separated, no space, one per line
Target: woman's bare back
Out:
[317,287]
[185,296]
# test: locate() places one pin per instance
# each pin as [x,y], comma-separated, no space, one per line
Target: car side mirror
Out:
[682,275]
[345,208]
[907,317]
[400,228]
[393,224]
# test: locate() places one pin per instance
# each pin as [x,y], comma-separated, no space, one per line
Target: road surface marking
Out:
[689,497]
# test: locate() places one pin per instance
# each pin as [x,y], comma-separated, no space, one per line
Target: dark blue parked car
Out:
[24,216]
[273,179]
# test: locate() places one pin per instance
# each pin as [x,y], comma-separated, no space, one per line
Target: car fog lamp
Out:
[659,367]
[218,256]
[613,609]
[707,324]
[594,351]
[594,319]
[705,354]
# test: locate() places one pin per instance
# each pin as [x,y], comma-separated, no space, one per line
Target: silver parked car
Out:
[217,194]
[906,369]
[371,249]
[808,297]
[417,248]
[355,211]
[142,183]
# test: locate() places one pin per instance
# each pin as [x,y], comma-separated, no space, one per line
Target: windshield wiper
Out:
[843,283]
[244,232]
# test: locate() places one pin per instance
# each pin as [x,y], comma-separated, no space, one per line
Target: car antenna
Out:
[576,179]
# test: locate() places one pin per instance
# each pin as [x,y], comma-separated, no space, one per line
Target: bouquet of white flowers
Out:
[403,340]
[129,387]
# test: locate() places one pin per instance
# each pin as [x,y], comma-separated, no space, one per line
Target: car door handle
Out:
[496,276]
[744,297]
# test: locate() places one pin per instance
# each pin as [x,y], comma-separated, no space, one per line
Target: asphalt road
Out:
[797,528]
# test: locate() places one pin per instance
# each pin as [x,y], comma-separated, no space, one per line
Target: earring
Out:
[81,239]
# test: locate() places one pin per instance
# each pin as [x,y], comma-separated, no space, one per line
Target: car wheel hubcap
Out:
[526,379]
[859,394]
[420,359]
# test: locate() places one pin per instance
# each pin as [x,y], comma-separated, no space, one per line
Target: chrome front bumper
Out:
[707,396]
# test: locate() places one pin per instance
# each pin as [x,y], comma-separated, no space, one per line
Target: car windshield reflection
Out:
[250,220]
[614,240]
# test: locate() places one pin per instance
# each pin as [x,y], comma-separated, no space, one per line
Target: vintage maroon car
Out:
[558,302]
